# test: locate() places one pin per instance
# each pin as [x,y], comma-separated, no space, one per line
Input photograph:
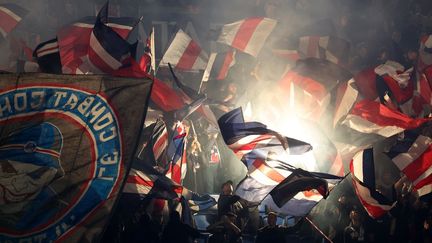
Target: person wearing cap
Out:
[29,163]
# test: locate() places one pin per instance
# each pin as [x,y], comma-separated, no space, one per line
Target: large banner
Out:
[65,145]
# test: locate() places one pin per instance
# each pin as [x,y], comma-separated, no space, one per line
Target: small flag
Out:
[48,57]
[247,35]
[108,51]
[219,65]
[10,15]
[184,53]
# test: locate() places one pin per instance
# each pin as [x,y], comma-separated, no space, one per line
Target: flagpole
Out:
[319,231]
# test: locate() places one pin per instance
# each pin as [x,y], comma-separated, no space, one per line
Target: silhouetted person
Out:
[225,230]
[355,231]
[227,202]
[177,231]
[271,232]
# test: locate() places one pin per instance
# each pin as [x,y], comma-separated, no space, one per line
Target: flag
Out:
[198,202]
[310,86]
[67,142]
[143,181]
[108,51]
[10,16]
[247,35]
[299,192]
[153,143]
[265,153]
[362,168]
[184,53]
[331,48]
[74,40]
[370,117]
[412,154]
[48,57]
[176,154]
[219,65]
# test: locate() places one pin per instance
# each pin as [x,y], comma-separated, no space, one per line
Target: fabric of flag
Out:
[412,155]
[153,143]
[67,142]
[176,154]
[362,168]
[198,202]
[48,57]
[247,35]
[310,86]
[10,16]
[144,181]
[371,117]
[265,153]
[108,51]
[299,192]
[219,65]
[74,40]
[331,48]
[184,53]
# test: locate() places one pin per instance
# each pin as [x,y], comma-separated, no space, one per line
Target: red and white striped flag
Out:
[10,15]
[184,53]
[371,117]
[413,156]
[247,35]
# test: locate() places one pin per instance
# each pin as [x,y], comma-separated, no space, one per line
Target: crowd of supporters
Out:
[378,31]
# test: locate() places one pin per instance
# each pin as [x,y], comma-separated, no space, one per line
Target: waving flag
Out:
[48,57]
[247,35]
[184,53]
[311,87]
[370,117]
[74,40]
[108,51]
[219,65]
[333,49]
[299,192]
[412,155]
[177,155]
[67,142]
[10,15]
[363,175]
[265,153]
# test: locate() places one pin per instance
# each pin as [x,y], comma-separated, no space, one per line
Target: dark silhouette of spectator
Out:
[355,231]
[177,231]
[225,230]
[272,232]
[228,202]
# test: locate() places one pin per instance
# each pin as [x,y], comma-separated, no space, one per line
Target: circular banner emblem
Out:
[60,159]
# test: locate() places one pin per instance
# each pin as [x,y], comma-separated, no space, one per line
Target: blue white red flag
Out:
[265,153]
[365,184]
